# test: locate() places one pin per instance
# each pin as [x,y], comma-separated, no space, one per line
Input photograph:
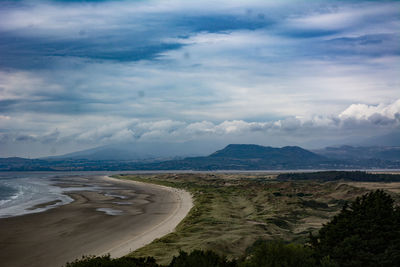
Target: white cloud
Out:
[5,117]
[263,84]
[23,84]
[358,119]
[43,18]
[350,18]
[365,112]
[327,21]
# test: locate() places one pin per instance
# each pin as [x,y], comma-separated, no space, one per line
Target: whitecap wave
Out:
[29,193]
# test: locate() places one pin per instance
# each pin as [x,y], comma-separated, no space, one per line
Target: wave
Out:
[29,192]
[11,198]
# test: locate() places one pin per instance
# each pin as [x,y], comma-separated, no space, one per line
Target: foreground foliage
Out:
[196,258]
[276,253]
[106,261]
[232,211]
[261,253]
[199,258]
[364,233]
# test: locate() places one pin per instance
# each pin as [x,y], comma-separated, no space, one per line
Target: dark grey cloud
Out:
[123,41]
[372,45]
[43,52]
[135,36]
[222,22]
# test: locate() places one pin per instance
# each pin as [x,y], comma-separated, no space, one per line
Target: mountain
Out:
[389,139]
[232,157]
[140,151]
[101,153]
[22,164]
[284,154]
[250,157]
[391,153]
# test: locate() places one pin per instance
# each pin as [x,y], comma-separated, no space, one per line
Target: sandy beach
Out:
[115,217]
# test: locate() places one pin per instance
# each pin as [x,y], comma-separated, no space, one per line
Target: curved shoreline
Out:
[168,225]
[117,217]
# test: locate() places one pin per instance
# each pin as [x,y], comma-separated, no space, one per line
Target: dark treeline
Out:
[365,233]
[358,176]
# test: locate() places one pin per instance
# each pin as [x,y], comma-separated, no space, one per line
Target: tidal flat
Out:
[95,223]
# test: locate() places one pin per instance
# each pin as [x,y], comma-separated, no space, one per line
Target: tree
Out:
[198,258]
[278,254]
[364,233]
[106,261]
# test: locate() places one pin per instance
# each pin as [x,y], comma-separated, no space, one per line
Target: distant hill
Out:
[139,151]
[351,152]
[284,154]
[250,157]
[232,157]
[22,164]
[100,153]
[389,140]
[15,160]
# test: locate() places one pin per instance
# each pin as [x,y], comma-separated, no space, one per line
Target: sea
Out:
[20,192]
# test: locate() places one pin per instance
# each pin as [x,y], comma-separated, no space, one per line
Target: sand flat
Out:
[65,233]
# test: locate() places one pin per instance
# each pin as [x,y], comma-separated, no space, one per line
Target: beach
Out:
[111,216]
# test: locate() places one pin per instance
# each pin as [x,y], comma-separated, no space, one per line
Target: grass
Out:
[231,211]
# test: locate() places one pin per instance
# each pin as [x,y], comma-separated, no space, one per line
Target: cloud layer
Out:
[79,74]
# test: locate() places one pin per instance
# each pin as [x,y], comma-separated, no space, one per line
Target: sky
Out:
[81,74]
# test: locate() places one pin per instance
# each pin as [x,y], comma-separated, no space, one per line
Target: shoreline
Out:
[117,217]
[163,228]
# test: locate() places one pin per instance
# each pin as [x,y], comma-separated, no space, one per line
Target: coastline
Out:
[168,225]
[117,219]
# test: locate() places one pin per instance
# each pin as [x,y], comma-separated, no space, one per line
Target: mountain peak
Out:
[251,151]
[239,151]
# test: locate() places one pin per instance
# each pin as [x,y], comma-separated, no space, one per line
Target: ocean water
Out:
[19,192]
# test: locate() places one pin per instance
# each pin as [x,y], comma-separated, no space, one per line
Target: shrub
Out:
[365,233]
[199,258]
[277,253]
[106,261]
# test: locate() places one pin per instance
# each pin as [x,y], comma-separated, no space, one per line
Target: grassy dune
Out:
[231,211]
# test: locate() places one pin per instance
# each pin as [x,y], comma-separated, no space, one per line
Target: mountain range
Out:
[358,152]
[232,157]
[141,151]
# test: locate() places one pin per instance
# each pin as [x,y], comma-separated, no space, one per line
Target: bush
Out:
[199,258]
[276,253]
[106,261]
[366,233]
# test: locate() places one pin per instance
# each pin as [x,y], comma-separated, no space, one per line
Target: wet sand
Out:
[119,217]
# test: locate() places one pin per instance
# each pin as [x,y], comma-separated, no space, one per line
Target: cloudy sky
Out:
[81,74]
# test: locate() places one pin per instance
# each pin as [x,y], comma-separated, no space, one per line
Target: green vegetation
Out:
[277,253]
[106,261]
[261,253]
[200,258]
[364,233]
[196,258]
[232,211]
[357,176]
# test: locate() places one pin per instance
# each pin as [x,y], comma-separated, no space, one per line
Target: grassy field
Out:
[231,211]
